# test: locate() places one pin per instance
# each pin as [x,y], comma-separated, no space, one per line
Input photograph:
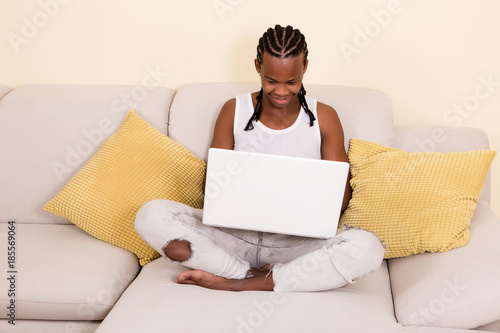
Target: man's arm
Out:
[223,131]
[223,136]
[332,141]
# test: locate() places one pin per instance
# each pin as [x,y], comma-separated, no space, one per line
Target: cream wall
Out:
[438,59]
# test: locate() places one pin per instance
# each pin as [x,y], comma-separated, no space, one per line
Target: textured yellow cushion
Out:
[415,202]
[135,165]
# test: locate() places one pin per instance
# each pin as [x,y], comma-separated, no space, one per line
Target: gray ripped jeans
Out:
[298,263]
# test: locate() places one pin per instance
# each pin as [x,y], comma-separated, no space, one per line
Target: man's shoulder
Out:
[326,111]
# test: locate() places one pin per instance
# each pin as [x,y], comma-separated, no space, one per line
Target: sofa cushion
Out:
[53,326]
[48,132]
[135,165]
[457,289]
[65,274]
[491,327]
[364,113]
[187,308]
[427,329]
[415,202]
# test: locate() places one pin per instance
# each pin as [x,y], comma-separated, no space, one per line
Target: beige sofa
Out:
[64,280]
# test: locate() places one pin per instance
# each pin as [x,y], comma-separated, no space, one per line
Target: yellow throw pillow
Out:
[135,165]
[414,202]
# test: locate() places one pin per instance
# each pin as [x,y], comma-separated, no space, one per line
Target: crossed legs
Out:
[175,230]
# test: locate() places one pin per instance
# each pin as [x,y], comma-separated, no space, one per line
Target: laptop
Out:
[273,193]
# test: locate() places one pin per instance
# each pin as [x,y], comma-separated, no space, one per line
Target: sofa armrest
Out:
[457,289]
[444,139]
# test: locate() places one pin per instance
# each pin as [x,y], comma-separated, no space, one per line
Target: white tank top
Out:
[298,140]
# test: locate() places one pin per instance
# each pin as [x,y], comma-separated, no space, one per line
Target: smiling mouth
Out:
[281,100]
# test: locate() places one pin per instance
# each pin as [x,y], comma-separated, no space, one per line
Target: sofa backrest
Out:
[4,90]
[364,113]
[444,139]
[48,132]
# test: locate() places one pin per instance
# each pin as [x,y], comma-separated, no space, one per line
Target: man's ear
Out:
[305,66]
[257,66]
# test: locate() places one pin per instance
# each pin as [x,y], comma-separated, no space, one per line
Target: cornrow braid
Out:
[303,103]
[256,112]
[281,43]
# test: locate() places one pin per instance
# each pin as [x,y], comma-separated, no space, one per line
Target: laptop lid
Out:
[272,193]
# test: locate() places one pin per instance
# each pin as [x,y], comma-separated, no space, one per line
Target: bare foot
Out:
[260,280]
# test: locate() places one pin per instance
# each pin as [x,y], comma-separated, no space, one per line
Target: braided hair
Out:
[281,43]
